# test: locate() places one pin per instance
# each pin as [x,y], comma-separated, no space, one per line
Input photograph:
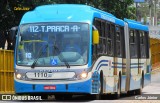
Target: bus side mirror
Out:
[95,37]
[13,32]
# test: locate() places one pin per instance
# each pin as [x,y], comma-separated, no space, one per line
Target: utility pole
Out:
[150,11]
[136,11]
[155,12]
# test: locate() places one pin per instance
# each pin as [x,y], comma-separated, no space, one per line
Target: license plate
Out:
[49,87]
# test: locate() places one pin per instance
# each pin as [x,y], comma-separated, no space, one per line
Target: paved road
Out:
[151,90]
[154,87]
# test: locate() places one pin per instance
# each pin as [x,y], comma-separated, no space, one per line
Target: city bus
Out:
[113,55]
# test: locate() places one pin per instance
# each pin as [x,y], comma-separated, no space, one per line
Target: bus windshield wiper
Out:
[40,54]
[61,56]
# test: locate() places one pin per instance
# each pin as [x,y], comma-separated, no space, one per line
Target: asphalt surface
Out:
[151,94]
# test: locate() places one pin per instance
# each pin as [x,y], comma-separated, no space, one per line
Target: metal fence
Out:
[6,71]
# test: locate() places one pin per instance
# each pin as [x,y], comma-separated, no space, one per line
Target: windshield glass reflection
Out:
[53,44]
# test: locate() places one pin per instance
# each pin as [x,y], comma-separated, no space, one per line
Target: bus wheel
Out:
[139,91]
[99,96]
[129,93]
[118,93]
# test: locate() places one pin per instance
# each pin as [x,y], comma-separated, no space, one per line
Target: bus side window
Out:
[110,33]
[142,45]
[100,25]
[118,42]
[123,53]
[147,47]
[103,38]
[96,23]
[133,44]
[147,44]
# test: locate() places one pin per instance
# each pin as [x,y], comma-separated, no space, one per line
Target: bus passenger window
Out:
[147,44]
[110,40]
[101,25]
[118,42]
[109,47]
[133,46]
[123,53]
[142,45]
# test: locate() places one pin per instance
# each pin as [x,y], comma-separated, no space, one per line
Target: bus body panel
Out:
[111,67]
[139,65]
[59,88]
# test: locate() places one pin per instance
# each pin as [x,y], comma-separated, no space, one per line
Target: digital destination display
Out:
[60,28]
[54,27]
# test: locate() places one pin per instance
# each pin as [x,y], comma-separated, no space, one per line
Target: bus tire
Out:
[99,96]
[129,93]
[118,93]
[139,91]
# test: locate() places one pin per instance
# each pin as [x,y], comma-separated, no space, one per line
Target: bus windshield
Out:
[53,44]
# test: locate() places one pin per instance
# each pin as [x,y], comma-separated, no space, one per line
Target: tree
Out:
[119,8]
[10,17]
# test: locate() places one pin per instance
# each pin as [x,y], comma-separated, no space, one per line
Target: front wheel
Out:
[98,96]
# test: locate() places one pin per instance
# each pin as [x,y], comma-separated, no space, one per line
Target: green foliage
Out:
[10,17]
[116,7]
[145,19]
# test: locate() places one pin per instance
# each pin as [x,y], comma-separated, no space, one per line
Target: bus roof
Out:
[67,13]
[136,25]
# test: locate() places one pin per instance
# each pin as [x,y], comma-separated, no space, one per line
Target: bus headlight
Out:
[18,76]
[83,75]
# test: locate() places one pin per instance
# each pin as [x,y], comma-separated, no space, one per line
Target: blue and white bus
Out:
[113,55]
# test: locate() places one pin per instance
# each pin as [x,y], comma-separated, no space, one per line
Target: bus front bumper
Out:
[76,88]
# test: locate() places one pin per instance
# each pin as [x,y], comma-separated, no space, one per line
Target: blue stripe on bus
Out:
[136,67]
[117,67]
[122,65]
[118,63]
[101,64]
[125,63]
[137,63]
[125,67]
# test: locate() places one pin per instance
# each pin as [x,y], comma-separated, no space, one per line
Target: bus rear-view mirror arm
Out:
[13,32]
